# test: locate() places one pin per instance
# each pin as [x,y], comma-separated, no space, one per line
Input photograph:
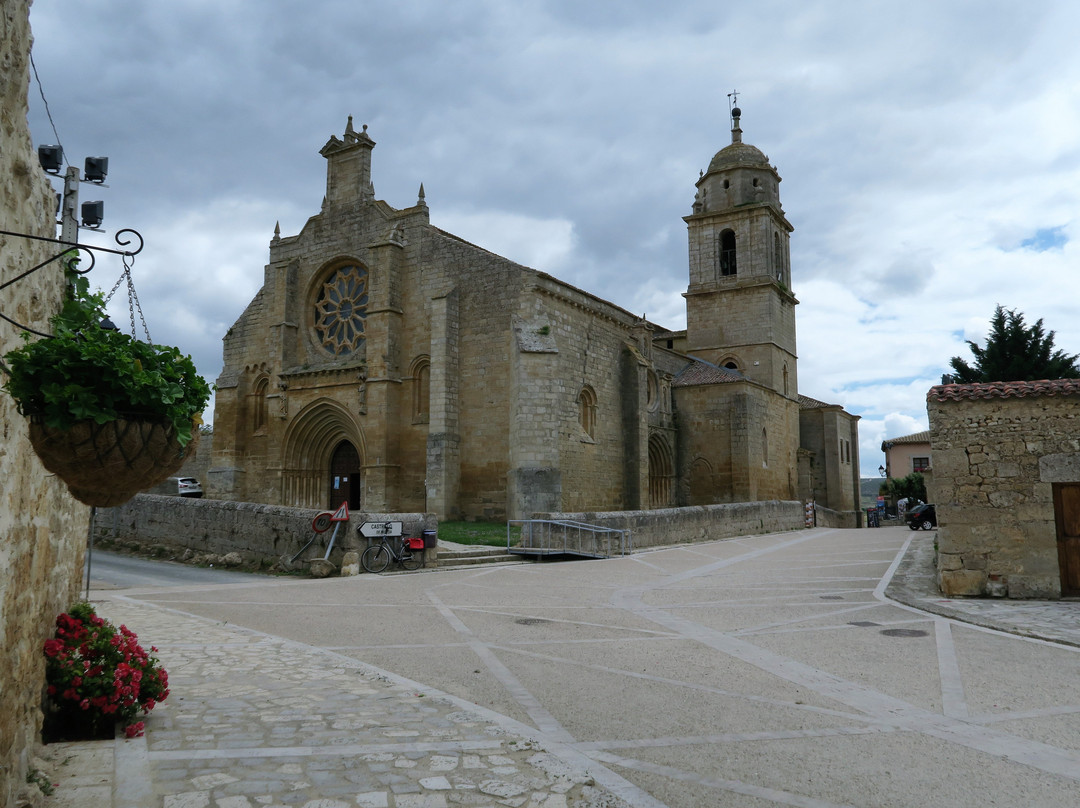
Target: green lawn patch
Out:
[491,534]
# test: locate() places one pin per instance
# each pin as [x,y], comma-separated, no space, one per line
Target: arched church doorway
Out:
[346,480]
[323,441]
[661,472]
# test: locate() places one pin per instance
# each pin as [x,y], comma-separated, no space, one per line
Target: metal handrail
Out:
[569,537]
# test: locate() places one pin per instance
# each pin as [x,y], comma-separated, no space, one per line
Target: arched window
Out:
[727,253]
[778,257]
[587,410]
[421,398]
[258,405]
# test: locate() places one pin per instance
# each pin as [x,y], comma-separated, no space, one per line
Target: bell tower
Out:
[740,311]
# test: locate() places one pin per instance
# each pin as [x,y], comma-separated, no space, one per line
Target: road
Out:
[761,671]
[123,572]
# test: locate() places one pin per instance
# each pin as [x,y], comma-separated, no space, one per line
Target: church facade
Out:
[394,366]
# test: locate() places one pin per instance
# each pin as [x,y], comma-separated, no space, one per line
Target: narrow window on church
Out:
[258,405]
[727,253]
[764,449]
[421,373]
[785,379]
[778,257]
[587,410]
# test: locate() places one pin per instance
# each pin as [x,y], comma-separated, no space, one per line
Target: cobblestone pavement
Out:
[813,669]
[255,720]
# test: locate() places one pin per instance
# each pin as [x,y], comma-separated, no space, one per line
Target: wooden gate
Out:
[1067,518]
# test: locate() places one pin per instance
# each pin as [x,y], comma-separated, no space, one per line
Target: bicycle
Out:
[377,557]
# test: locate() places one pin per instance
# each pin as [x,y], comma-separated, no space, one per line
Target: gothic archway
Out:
[308,452]
[661,472]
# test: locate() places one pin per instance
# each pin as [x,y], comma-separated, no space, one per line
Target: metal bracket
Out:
[121,238]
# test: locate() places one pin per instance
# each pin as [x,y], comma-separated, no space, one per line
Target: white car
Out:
[179,486]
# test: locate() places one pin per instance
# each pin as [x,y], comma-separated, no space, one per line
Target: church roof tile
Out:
[988,390]
[699,372]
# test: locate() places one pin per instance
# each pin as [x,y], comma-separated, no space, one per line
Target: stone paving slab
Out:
[259,721]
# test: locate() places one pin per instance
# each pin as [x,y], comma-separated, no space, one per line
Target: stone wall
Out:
[995,461]
[831,436]
[42,527]
[261,534]
[665,526]
[827,517]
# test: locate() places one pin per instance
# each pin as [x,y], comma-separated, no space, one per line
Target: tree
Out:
[1015,352]
[896,488]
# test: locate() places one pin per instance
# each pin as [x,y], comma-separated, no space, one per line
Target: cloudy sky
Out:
[929,151]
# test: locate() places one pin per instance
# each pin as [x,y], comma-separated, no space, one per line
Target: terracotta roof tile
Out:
[918,437]
[807,403]
[699,372]
[987,390]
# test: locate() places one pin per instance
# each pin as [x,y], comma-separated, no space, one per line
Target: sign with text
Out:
[373,530]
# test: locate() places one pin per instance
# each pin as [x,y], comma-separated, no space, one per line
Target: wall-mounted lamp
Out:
[881,470]
[51,158]
[92,213]
[95,169]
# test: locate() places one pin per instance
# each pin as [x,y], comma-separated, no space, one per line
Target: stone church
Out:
[394,366]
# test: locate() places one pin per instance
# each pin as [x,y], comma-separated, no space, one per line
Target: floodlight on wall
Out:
[92,213]
[95,169]
[51,158]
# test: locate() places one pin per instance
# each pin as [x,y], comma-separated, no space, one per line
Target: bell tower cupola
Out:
[740,311]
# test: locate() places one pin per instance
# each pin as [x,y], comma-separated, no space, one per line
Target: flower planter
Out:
[107,464]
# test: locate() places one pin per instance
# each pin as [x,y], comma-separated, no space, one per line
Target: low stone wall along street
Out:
[827,517]
[694,524]
[259,534]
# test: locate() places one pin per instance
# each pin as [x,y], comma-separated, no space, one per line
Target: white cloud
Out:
[544,244]
[920,143]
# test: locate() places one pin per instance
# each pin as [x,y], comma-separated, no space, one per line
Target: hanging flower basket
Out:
[110,415]
[107,464]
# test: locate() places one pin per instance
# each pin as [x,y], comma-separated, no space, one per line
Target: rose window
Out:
[341,309]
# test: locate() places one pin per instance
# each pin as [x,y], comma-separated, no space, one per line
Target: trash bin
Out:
[431,538]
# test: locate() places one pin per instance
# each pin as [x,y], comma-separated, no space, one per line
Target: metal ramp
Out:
[545,538]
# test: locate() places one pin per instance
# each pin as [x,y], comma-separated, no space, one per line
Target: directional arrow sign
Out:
[373,530]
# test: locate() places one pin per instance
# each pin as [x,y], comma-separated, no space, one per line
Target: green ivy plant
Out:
[86,372]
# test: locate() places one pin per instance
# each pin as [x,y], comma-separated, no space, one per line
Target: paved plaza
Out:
[761,671]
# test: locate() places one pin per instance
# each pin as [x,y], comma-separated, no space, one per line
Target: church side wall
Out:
[43,528]
[744,437]
[593,353]
[488,292]
[705,460]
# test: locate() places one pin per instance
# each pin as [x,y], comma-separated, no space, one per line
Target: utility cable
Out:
[41,90]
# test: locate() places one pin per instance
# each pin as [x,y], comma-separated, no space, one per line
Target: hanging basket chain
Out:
[133,298]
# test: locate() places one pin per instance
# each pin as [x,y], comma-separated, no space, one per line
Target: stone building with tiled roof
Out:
[1007,487]
[394,366]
